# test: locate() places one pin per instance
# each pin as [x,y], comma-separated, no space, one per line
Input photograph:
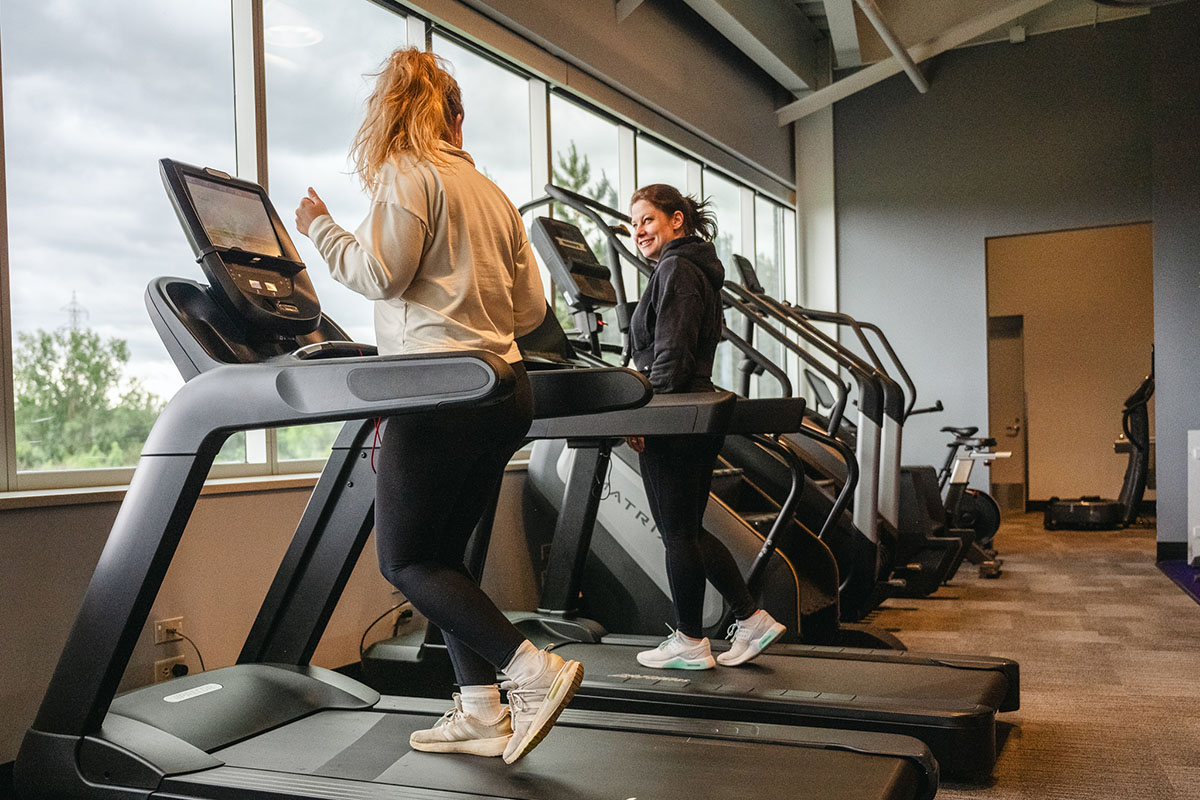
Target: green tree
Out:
[306,441]
[74,406]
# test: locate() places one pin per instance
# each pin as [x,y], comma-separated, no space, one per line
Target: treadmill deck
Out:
[365,754]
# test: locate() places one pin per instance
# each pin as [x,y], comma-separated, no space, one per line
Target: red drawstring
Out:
[375,443]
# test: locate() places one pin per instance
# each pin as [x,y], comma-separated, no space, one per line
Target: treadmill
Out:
[256,352]
[948,701]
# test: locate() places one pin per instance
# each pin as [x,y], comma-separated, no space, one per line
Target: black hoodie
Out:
[677,325]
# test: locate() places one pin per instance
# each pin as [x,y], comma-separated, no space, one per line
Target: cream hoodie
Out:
[443,254]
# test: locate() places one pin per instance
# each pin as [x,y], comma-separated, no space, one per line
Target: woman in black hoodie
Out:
[674,335]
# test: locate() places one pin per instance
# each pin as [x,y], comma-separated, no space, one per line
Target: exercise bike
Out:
[968,508]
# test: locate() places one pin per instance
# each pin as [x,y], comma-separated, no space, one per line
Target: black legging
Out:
[436,474]
[677,472]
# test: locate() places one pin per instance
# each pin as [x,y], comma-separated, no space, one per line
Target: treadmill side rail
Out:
[665,415]
[167,482]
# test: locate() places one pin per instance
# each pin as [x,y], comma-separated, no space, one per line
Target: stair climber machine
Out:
[867,544]
[256,351]
[932,537]
[957,506]
[949,701]
[910,563]
[1095,513]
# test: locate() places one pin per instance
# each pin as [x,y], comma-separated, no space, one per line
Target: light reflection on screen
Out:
[234,217]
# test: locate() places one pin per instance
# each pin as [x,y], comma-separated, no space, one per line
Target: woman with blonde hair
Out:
[443,255]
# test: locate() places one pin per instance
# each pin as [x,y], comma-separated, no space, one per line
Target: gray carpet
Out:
[1109,650]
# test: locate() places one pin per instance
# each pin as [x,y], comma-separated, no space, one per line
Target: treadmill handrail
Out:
[675,414]
[904,376]
[892,397]
[166,485]
[303,392]
[769,366]
[870,397]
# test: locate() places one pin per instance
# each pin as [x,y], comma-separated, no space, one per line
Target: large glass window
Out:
[92,98]
[585,159]
[320,65]
[657,164]
[94,95]
[770,260]
[726,199]
[496,118]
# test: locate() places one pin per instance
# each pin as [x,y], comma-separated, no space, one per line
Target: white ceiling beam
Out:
[875,16]
[868,76]
[843,33]
[627,7]
[775,34]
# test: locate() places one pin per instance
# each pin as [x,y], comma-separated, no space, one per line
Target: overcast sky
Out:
[96,93]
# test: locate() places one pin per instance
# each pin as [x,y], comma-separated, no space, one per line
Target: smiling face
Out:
[653,228]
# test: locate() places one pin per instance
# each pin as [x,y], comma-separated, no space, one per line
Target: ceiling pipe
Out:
[881,27]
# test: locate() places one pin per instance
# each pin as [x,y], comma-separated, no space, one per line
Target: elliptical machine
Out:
[1094,513]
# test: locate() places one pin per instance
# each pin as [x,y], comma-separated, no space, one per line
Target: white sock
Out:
[752,616]
[526,665]
[482,702]
[687,639]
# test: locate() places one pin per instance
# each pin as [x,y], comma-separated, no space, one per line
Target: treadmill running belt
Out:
[572,763]
[784,676]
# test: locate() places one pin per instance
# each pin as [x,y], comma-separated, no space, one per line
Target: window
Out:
[657,164]
[585,159]
[495,119]
[770,263]
[95,94]
[320,65]
[88,222]
[726,199]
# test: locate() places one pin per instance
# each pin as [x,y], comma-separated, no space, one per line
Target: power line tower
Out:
[76,313]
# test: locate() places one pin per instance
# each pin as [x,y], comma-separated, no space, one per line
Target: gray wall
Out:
[1175,33]
[1047,135]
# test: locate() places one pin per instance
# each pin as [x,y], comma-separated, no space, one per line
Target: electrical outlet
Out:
[162,626]
[163,667]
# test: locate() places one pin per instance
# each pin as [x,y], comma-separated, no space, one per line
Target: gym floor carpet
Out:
[1109,649]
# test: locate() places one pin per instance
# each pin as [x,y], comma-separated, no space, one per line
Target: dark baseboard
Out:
[1172,551]
[1147,508]
[6,781]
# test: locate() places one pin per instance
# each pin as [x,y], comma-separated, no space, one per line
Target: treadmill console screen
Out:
[579,275]
[233,217]
[253,268]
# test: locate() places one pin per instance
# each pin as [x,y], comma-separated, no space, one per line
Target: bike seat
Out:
[961,432]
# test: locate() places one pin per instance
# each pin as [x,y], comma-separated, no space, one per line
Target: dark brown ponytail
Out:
[698,217]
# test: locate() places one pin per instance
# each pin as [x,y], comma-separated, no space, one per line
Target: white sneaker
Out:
[459,732]
[678,652]
[750,637]
[536,705]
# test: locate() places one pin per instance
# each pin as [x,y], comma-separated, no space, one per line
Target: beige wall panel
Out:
[1087,299]
[225,562]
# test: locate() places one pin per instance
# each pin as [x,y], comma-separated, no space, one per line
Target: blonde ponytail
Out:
[412,108]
